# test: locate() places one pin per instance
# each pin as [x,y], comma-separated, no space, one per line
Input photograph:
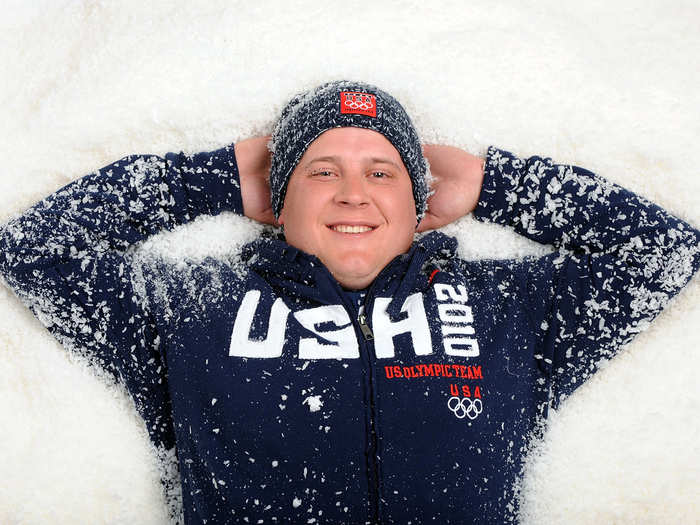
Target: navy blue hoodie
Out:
[290,400]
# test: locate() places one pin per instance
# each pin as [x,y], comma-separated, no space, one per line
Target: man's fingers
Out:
[266,217]
[429,222]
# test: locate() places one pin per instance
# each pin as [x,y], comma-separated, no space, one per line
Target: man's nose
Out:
[352,190]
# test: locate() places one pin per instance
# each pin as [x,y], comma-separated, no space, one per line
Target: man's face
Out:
[350,202]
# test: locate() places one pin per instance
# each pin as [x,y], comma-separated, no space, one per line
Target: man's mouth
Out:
[349,228]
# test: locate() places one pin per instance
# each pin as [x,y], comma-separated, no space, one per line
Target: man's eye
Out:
[380,174]
[323,173]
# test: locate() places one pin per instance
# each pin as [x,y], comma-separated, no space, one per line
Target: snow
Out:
[314,403]
[611,87]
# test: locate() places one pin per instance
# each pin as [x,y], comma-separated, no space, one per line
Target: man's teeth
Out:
[343,228]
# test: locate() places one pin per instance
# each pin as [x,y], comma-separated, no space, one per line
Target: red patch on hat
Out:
[355,102]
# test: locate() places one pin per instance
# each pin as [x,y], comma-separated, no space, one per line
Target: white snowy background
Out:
[611,86]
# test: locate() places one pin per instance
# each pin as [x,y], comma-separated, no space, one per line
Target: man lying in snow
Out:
[347,374]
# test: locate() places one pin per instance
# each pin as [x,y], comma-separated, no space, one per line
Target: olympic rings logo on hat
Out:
[358,103]
[363,104]
[465,407]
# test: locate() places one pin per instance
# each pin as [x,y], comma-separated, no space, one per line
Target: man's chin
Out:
[354,277]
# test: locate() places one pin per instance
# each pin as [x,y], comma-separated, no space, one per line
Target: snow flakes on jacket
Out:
[289,399]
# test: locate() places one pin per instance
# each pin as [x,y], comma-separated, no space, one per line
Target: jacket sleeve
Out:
[70,259]
[619,261]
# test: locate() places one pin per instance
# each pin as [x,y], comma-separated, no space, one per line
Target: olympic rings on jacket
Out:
[465,407]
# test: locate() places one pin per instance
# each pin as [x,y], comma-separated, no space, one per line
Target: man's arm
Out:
[620,259]
[69,259]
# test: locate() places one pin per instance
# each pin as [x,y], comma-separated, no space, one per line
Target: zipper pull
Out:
[366,330]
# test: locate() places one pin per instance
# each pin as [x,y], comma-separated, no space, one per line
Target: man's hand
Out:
[253,160]
[457,180]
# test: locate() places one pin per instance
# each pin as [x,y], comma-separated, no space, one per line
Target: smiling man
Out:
[350,202]
[348,180]
[343,372]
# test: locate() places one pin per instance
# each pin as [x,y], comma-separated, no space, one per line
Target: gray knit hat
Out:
[342,104]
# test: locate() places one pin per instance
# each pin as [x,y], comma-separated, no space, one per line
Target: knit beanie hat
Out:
[341,104]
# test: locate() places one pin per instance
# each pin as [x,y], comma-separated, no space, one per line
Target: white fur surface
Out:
[611,86]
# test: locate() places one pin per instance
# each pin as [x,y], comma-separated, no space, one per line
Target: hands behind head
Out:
[456,185]
[253,159]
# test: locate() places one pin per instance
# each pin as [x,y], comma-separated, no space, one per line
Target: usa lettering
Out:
[335,336]
[465,391]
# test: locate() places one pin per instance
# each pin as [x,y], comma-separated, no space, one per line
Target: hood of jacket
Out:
[294,273]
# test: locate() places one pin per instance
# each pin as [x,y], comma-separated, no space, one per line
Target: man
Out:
[347,374]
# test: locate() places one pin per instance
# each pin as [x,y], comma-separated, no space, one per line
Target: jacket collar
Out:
[290,271]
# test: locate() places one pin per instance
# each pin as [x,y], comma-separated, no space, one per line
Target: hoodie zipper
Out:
[362,318]
[366,330]
[365,342]
[364,327]
[372,460]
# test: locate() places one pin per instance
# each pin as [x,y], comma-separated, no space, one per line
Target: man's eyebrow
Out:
[337,160]
[328,158]
[382,160]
